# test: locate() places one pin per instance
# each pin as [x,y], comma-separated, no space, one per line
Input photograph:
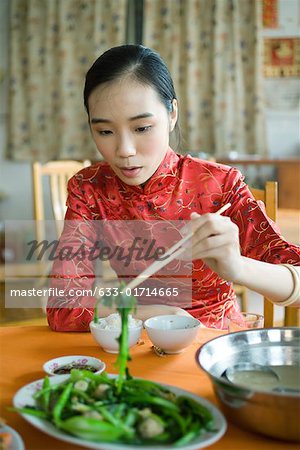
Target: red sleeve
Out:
[260,237]
[70,303]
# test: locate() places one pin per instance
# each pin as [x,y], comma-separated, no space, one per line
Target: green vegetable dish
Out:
[121,409]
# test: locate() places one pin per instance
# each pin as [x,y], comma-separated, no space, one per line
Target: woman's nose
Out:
[125,146]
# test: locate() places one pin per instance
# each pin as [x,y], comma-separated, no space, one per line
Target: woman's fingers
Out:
[208,246]
[223,255]
[216,241]
[210,225]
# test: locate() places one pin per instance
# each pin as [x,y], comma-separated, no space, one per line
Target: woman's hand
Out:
[216,242]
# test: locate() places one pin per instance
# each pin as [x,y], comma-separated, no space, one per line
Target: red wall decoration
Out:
[282,57]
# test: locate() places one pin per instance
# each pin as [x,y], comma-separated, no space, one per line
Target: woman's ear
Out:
[173,114]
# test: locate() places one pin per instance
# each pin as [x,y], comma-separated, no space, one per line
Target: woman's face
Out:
[130,126]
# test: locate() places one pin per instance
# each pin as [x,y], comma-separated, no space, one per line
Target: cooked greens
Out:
[123,410]
[91,407]
[124,304]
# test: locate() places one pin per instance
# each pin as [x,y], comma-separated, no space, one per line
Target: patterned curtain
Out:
[214,52]
[53,43]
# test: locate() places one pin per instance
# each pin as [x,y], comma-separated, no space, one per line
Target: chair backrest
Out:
[269,196]
[58,174]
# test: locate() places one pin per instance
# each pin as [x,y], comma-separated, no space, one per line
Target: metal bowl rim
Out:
[215,379]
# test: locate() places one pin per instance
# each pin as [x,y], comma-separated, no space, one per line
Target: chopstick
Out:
[169,255]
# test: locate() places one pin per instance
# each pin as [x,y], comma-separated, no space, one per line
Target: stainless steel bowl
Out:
[270,412]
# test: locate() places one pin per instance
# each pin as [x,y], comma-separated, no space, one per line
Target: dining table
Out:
[24,350]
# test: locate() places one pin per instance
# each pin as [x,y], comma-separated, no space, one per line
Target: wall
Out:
[281,120]
[283,94]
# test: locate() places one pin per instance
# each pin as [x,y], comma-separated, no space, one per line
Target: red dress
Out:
[181,185]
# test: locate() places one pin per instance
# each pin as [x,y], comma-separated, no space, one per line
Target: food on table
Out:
[63,365]
[278,378]
[125,410]
[5,438]
[124,304]
[114,322]
[62,370]
[90,406]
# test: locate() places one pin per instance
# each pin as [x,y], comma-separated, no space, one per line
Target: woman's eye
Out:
[143,129]
[104,132]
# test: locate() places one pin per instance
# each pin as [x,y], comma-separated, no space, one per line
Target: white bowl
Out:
[66,363]
[172,333]
[107,339]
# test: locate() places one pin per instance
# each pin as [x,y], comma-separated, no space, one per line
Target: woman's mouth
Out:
[130,172]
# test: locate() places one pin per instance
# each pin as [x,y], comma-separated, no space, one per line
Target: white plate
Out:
[24,397]
[17,441]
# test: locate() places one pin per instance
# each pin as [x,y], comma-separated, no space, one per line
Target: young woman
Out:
[132,109]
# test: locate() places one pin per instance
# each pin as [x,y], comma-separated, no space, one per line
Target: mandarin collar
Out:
[164,176]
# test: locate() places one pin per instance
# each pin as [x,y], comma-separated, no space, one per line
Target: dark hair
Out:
[142,63]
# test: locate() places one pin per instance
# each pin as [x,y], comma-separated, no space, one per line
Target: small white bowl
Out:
[107,339]
[63,364]
[172,333]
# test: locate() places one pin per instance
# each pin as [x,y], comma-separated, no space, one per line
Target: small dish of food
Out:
[64,364]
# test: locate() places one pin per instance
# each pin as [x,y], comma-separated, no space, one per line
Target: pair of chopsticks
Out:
[168,256]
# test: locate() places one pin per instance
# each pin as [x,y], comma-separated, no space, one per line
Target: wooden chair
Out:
[269,196]
[58,174]
[35,273]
